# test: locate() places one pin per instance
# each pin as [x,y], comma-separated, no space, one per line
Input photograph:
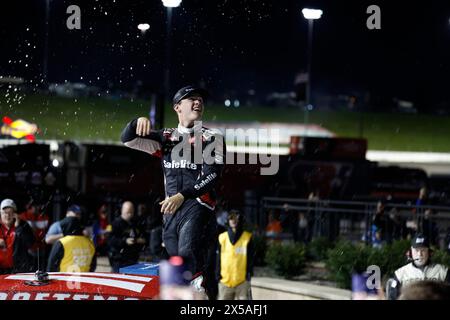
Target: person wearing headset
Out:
[420,268]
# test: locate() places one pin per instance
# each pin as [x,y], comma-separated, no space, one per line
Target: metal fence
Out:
[305,219]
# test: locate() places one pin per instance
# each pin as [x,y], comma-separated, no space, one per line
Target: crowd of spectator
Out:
[32,241]
[388,221]
[387,226]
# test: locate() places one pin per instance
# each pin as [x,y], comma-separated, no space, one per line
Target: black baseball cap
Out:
[71,226]
[189,91]
[420,241]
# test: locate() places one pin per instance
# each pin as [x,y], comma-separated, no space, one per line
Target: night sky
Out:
[235,46]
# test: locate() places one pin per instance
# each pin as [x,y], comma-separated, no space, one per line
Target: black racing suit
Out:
[192,161]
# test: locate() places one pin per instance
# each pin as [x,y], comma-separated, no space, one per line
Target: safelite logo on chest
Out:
[183,164]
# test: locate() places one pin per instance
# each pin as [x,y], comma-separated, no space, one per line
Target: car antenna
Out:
[40,277]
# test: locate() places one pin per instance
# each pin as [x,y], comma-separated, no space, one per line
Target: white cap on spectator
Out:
[8,203]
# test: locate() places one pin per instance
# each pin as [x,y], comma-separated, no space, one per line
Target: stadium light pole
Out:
[310,15]
[45,57]
[169,4]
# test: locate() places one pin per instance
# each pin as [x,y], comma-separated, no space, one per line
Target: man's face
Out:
[380,207]
[102,213]
[8,216]
[420,256]
[423,193]
[141,209]
[32,209]
[233,222]
[190,109]
[127,211]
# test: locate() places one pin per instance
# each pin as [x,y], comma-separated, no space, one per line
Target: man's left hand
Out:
[171,205]
[17,220]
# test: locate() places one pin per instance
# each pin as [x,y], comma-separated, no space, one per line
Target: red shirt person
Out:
[16,238]
[39,222]
[101,229]
[6,245]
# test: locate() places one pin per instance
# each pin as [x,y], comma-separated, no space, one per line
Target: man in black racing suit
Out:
[192,158]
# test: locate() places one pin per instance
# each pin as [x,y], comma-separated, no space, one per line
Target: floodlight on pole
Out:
[312,14]
[171,3]
[143,26]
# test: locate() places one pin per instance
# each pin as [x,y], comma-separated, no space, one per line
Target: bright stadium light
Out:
[312,13]
[171,3]
[143,26]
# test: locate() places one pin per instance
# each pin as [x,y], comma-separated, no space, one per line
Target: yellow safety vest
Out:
[233,259]
[78,254]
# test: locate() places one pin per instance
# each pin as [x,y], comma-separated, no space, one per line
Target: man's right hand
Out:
[2,243]
[143,126]
[130,241]
[51,239]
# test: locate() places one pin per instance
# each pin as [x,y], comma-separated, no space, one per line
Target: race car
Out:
[78,286]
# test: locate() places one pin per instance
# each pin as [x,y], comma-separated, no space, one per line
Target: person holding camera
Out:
[126,240]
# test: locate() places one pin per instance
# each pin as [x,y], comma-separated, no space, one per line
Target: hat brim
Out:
[201,92]
[415,246]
